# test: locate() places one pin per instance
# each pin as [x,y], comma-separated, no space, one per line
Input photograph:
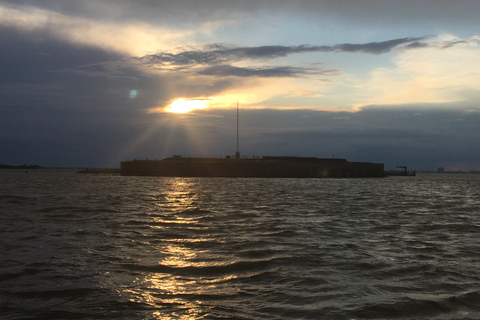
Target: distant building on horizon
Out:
[440,170]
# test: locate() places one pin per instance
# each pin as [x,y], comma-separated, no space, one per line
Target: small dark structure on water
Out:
[404,172]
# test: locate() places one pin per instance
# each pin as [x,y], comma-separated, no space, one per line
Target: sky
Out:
[91,83]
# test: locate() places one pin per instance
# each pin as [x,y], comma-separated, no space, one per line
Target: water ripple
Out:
[93,247]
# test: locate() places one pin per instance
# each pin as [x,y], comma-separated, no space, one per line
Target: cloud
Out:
[279,72]
[448,70]
[215,54]
[132,38]
[221,61]
[378,47]
[111,70]
[374,12]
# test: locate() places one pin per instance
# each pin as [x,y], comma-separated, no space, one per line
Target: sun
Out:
[184,106]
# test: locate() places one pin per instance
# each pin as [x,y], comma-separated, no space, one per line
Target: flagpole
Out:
[237,154]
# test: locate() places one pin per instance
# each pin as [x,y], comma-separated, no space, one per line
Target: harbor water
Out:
[84,246]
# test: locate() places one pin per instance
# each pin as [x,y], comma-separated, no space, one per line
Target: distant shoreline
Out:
[25,166]
[100,171]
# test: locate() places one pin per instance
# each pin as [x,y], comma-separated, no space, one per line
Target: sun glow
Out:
[184,106]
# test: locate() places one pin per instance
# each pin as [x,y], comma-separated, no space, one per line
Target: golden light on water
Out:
[162,291]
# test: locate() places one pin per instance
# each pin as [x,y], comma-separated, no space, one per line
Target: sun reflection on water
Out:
[177,195]
[180,268]
[169,296]
[177,256]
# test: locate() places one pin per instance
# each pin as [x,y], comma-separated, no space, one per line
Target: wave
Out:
[194,212]
[416,307]
[214,269]
[17,199]
[87,247]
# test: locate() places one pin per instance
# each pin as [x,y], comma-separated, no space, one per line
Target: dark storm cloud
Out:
[54,112]
[112,70]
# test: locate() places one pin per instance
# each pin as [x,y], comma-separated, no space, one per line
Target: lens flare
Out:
[133,94]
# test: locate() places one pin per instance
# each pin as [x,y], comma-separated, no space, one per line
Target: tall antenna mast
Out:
[237,154]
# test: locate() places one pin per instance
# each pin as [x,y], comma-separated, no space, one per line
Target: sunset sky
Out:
[92,83]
